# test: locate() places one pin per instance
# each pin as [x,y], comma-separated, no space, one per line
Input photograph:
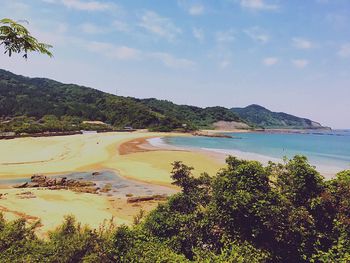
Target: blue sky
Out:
[287,55]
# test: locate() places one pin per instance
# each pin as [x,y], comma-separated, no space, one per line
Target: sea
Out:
[328,151]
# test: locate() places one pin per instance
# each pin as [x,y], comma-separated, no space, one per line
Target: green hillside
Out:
[32,105]
[35,101]
[197,116]
[261,117]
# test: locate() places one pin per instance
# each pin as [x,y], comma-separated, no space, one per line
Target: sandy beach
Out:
[50,207]
[64,154]
[128,154]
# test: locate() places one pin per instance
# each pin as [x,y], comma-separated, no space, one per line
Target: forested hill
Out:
[259,116]
[37,98]
[198,116]
[39,102]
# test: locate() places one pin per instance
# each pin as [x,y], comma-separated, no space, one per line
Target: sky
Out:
[287,55]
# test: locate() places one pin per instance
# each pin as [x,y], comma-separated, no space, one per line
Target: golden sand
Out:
[25,156]
[51,207]
[56,155]
[126,153]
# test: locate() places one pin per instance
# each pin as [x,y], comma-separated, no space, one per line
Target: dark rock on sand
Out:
[137,199]
[39,180]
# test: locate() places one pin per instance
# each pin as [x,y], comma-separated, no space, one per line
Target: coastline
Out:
[139,157]
[328,171]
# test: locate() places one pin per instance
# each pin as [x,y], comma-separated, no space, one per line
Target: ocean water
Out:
[329,151]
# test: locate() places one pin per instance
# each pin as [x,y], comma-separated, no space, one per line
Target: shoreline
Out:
[106,151]
[328,171]
[139,158]
[23,157]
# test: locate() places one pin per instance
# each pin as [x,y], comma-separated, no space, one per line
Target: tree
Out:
[17,39]
[299,181]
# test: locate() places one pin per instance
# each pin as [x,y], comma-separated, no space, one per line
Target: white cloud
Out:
[90,28]
[82,5]
[160,26]
[344,51]
[196,10]
[198,33]
[227,36]
[86,5]
[258,5]
[191,7]
[127,53]
[302,43]
[171,61]
[300,63]
[112,51]
[257,34]
[57,36]
[270,61]
[19,5]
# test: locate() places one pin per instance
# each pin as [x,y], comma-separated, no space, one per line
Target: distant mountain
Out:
[39,104]
[258,116]
[38,97]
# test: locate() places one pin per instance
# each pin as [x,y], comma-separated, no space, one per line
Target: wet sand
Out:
[144,168]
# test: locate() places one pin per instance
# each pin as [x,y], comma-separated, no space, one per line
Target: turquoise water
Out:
[328,151]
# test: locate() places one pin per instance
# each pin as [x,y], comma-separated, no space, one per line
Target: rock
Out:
[38,178]
[56,187]
[75,183]
[106,188]
[22,185]
[139,199]
[26,195]
[146,198]
[96,173]
[61,181]
[87,189]
[32,185]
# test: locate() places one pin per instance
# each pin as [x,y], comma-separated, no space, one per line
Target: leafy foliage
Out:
[280,213]
[17,39]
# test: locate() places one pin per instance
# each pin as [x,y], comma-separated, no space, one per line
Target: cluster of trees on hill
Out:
[200,117]
[261,117]
[35,97]
[49,123]
[246,213]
